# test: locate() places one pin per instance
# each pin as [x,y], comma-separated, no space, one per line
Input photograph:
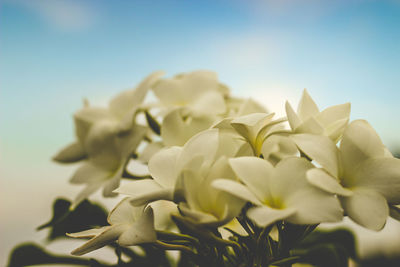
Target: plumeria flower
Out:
[120,113]
[281,192]
[129,226]
[277,147]
[171,169]
[255,128]
[106,138]
[205,204]
[308,119]
[165,167]
[108,153]
[360,172]
[198,93]
[237,107]
[177,128]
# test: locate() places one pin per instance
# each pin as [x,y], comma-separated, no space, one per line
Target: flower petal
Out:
[113,183]
[359,142]
[264,215]
[124,102]
[249,106]
[381,175]
[163,166]
[294,120]
[86,117]
[177,130]
[149,151]
[334,113]
[145,191]
[321,149]
[310,125]
[71,153]
[249,126]
[236,189]
[89,173]
[211,102]
[88,233]
[255,173]
[326,182]
[124,213]
[290,189]
[367,208]
[141,231]
[197,215]
[203,144]
[307,107]
[86,192]
[106,237]
[336,129]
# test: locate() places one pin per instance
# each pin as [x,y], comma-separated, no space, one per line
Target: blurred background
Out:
[54,53]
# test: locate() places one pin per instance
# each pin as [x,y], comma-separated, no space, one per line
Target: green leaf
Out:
[86,215]
[333,248]
[153,123]
[28,254]
[289,260]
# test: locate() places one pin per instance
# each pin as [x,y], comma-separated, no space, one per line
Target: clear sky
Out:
[53,53]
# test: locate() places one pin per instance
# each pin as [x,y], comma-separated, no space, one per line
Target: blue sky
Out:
[53,53]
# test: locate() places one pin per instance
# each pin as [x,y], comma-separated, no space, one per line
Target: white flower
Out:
[243,106]
[329,122]
[277,147]
[255,128]
[120,113]
[281,192]
[177,128]
[129,226]
[198,92]
[106,137]
[165,167]
[360,172]
[205,204]
[201,158]
[107,155]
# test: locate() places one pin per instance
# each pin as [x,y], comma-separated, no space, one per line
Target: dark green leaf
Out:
[333,248]
[289,260]
[31,254]
[152,122]
[86,215]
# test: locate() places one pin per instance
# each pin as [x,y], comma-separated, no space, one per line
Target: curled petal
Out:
[109,235]
[264,215]
[326,182]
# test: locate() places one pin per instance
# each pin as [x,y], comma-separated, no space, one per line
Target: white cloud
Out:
[65,15]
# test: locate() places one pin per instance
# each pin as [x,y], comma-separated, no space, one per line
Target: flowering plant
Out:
[219,179]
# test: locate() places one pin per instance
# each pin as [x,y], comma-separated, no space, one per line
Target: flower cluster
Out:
[213,162]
